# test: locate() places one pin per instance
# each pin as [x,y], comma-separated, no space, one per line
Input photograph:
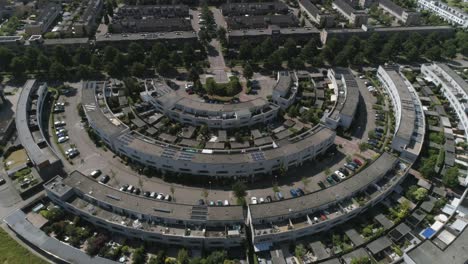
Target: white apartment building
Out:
[450,14]
[409,115]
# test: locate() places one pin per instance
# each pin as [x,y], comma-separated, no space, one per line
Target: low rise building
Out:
[175,105]
[139,217]
[448,13]
[408,112]
[44,21]
[151,18]
[291,219]
[285,90]
[29,125]
[258,8]
[256,22]
[320,18]
[89,19]
[244,160]
[355,18]
[275,33]
[11,41]
[347,94]
[453,87]
[408,18]
[345,33]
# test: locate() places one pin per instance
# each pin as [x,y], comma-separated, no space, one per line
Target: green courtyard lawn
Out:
[13,253]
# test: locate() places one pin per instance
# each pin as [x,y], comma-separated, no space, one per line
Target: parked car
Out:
[61,130]
[153,195]
[226,202]
[293,193]
[160,196]
[130,188]
[201,202]
[212,203]
[261,200]
[59,109]
[358,162]
[63,139]
[59,123]
[137,191]
[340,174]
[335,177]
[344,171]
[219,203]
[379,129]
[60,104]
[95,173]
[73,154]
[279,196]
[354,164]
[2,181]
[300,192]
[104,179]
[168,198]
[254,200]
[147,194]
[321,185]
[349,167]
[330,180]
[269,199]
[124,188]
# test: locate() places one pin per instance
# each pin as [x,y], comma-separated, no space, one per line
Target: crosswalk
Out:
[90,107]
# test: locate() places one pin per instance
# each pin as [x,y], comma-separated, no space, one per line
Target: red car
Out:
[358,162]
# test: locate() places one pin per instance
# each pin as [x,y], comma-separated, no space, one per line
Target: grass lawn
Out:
[17,157]
[13,253]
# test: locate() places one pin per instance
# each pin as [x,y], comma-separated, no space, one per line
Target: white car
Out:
[261,200]
[226,202]
[63,139]
[60,104]
[340,174]
[153,195]
[254,200]
[160,196]
[59,123]
[70,150]
[95,173]
[61,130]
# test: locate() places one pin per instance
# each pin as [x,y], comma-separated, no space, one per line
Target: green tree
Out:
[18,67]
[300,251]
[450,177]
[182,256]
[136,52]
[62,55]
[363,146]
[109,54]
[211,85]
[139,256]
[240,189]
[57,71]
[138,69]
[6,56]
[245,50]
[248,71]
[420,194]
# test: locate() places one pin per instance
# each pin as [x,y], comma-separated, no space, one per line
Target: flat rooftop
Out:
[36,154]
[346,188]
[94,111]
[141,204]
